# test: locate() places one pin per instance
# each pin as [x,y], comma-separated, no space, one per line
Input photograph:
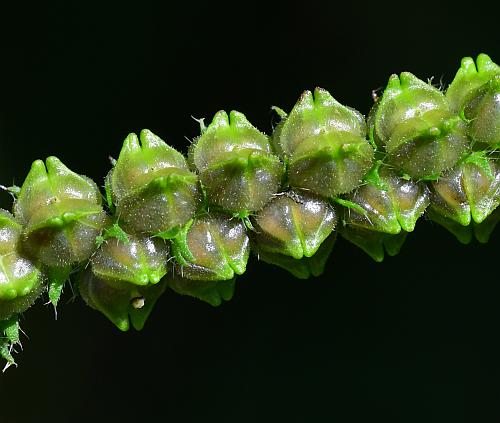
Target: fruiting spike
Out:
[191,224]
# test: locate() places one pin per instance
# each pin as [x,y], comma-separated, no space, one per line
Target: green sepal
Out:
[180,248]
[245,218]
[13,190]
[141,162]
[325,145]
[233,132]
[9,336]
[113,231]
[9,328]
[6,354]
[470,77]
[211,292]
[373,176]
[118,304]
[350,205]
[109,195]
[57,277]
[201,123]
[373,243]
[305,267]
[171,233]
[280,112]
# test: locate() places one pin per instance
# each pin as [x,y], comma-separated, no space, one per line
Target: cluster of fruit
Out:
[190,223]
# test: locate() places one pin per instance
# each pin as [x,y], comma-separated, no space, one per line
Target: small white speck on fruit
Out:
[138,302]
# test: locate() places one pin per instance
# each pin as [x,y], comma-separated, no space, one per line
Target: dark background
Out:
[413,339]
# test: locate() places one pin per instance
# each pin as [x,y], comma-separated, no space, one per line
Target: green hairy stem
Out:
[190,223]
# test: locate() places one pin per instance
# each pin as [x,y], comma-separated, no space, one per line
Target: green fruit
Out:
[415,125]
[294,224]
[379,214]
[324,144]
[61,214]
[236,165]
[21,282]
[386,202]
[138,261]
[470,191]
[212,247]
[129,304]
[474,94]
[212,292]
[151,186]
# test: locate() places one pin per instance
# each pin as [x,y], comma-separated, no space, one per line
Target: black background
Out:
[410,340]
